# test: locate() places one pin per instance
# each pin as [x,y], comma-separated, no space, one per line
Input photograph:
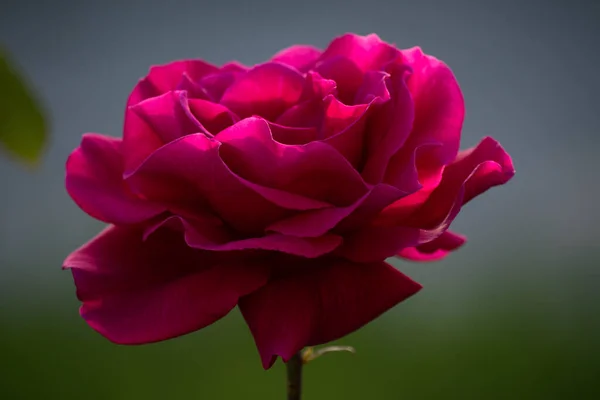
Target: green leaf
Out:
[22,125]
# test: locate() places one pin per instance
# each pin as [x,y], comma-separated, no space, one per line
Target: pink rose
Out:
[281,188]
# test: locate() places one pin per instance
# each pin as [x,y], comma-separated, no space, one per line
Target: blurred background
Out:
[513,315]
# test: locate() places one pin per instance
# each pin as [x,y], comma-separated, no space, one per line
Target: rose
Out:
[281,187]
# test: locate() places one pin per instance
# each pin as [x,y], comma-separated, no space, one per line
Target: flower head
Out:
[281,188]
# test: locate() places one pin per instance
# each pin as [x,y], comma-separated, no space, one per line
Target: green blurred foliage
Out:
[509,342]
[23,131]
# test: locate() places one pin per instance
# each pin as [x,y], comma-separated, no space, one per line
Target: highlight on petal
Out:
[434,250]
[266,90]
[94,180]
[314,170]
[301,57]
[136,291]
[314,304]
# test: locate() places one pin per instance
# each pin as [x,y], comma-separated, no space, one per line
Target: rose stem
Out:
[294,377]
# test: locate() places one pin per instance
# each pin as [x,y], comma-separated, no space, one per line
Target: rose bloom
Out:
[281,188]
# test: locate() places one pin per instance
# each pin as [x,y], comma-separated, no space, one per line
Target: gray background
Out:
[529,73]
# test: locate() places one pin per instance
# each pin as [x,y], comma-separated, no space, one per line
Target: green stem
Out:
[294,377]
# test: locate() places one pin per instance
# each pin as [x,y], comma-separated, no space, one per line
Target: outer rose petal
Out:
[136,292]
[266,90]
[301,57]
[319,304]
[439,114]
[395,229]
[434,250]
[94,180]
[475,171]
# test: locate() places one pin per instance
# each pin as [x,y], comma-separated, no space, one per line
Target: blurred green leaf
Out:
[22,125]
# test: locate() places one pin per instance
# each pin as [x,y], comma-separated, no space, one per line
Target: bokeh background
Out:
[513,315]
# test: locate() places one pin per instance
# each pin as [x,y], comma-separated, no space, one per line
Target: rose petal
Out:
[390,126]
[317,87]
[319,304]
[345,73]
[94,180]
[434,250]
[310,111]
[266,90]
[139,141]
[308,114]
[395,229]
[349,57]
[301,57]
[373,88]
[366,52]
[194,89]
[163,78]
[292,136]
[197,236]
[314,223]
[439,114]
[373,243]
[474,171]
[314,170]
[212,116]
[500,171]
[216,84]
[344,129]
[189,173]
[169,116]
[136,292]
